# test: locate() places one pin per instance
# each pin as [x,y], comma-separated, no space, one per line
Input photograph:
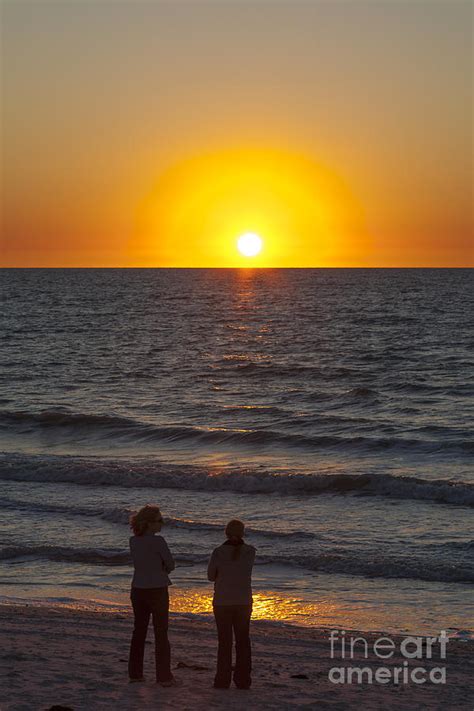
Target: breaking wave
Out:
[337,562]
[68,426]
[143,473]
[121,515]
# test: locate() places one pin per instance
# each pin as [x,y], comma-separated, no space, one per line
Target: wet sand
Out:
[78,658]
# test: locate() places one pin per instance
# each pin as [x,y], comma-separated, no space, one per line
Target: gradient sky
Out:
[146,133]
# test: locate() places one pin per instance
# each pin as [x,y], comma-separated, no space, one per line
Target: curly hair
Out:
[140,520]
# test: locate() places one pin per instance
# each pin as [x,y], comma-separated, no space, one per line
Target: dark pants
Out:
[146,602]
[236,618]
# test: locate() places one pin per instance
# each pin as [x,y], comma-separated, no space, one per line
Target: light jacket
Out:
[152,561]
[232,578]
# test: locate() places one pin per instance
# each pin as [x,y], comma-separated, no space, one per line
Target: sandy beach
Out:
[77,659]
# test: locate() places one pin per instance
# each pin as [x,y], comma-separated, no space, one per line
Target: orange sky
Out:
[154,133]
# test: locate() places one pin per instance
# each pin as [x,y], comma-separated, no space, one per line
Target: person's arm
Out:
[165,553]
[252,558]
[212,567]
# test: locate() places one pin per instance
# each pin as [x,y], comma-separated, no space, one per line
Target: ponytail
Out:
[235,532]
[237,545]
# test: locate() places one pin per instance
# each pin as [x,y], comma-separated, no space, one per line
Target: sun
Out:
[249,244]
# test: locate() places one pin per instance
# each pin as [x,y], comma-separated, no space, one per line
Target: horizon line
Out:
[240,268]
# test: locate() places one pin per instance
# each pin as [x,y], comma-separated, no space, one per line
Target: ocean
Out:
[329,409]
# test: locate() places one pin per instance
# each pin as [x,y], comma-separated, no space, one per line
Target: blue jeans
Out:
[146,602]
[236,619]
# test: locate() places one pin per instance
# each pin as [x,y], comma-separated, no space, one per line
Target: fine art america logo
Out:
[408,653]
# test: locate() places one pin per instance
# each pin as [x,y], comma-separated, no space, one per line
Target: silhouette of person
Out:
[230,568]
[152,562]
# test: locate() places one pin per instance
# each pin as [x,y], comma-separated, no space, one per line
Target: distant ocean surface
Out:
[330,409]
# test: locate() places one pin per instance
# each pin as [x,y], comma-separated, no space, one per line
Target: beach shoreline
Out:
[78,658]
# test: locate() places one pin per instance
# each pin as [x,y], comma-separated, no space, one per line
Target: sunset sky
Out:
[147,133]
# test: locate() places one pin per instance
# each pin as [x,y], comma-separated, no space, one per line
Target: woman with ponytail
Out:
[152,562]
[230,568]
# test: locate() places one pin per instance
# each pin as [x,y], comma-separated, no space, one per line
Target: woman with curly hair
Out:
[152,562]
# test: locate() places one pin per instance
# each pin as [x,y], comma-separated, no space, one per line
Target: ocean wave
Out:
[363,393]
[121,515]
[73,427]
[335,562]
[60,418]
[459,390]
[93,556]
[143,473]
[264,370]
[343,563]
[253,410]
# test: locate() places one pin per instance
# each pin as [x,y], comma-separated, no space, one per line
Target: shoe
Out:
[140,678]
[171,682]
[221,686]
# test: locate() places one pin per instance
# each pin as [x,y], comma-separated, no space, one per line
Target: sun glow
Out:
[249,244]
[199,211]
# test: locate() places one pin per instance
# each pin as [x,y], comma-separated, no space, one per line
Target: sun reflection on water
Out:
[266,606]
